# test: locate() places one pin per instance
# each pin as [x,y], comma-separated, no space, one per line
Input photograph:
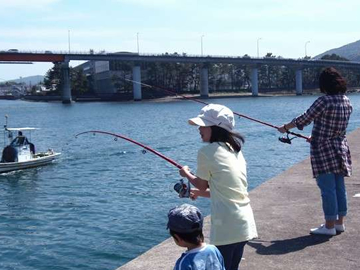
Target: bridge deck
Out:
[177,58]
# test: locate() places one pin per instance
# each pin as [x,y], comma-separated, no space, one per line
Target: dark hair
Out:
[331,82]
[219,134]
[194,238]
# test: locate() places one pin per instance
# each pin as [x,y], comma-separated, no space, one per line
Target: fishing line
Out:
[284,140]
[134,142]
[181,187]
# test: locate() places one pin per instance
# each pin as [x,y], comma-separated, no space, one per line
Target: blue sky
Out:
[228,27]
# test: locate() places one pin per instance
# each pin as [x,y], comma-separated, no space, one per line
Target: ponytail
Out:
[219,134]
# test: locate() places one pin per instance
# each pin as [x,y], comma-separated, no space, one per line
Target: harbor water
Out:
[105,201]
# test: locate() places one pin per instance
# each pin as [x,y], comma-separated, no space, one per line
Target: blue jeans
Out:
[333,194]
[232,254]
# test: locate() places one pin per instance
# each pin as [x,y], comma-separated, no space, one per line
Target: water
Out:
[105,202]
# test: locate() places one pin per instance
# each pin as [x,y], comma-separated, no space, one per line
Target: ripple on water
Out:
[104,202]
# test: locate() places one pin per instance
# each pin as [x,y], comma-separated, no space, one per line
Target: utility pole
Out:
[257,43]
[202,45]
[69,40]
[306,43]
[137,41]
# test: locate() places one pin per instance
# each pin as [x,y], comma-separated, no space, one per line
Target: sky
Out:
[286,28]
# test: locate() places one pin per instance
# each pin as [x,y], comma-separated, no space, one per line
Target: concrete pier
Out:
[137,83]
[298,80]
[204,82]
[66,85]
[285,208]
[254,82]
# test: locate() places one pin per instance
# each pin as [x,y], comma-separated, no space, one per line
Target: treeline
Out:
[79,83]
[185,77]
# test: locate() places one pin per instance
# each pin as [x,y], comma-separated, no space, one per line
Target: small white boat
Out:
[20,153]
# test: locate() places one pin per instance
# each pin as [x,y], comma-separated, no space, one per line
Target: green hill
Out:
[350,51]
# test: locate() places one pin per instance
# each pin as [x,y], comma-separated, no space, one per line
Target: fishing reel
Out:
[182,188]
[286,139]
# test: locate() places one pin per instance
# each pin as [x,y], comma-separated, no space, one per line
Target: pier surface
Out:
[285,208]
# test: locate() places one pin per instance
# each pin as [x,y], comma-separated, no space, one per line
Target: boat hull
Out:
[39,160]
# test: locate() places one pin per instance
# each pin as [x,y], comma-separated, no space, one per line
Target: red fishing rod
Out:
[180,187]
[285,140]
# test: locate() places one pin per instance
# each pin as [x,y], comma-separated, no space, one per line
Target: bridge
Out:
[137,59]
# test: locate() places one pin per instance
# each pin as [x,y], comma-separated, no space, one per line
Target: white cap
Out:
[214,115]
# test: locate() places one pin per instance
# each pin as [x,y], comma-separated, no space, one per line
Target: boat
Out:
[20,153]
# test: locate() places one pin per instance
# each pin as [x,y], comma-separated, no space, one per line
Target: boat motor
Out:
[9,154]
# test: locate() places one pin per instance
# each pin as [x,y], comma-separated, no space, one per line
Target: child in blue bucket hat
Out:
[185,223]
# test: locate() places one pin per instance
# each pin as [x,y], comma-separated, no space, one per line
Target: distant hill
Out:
[31,80]
[350,51]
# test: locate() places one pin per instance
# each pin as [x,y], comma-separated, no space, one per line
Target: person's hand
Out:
[282,129]
[184,171]
[194,194]
[308,139]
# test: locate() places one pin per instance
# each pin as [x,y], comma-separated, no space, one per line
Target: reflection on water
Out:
[104,202]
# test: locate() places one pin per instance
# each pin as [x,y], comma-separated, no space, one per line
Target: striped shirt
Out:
[329,151]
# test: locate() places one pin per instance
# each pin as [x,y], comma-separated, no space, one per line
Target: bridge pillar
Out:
[254,82]
[137,82]
[299,88]
[66,86]
[204,82]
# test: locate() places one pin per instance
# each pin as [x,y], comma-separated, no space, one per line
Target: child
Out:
[221,171]
[185,224]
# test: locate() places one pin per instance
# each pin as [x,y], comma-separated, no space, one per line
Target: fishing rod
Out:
[180,187]
[282,139]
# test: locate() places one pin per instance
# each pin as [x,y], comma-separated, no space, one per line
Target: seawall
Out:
[285,208]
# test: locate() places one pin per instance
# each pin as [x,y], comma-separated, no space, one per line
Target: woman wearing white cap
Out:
[221,172]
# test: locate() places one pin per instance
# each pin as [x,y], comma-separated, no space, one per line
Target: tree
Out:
[79,83]
[120,72]
[53,77]
[334,57]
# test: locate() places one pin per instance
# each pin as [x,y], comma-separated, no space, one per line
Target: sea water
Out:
[104,202]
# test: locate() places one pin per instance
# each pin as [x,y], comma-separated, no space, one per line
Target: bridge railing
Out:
[104,52]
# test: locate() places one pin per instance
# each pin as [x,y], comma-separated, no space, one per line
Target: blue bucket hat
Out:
[185,218]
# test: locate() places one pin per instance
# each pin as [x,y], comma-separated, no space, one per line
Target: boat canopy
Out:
[21,129]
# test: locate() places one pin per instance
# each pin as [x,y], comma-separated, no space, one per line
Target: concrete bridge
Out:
[205,61]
